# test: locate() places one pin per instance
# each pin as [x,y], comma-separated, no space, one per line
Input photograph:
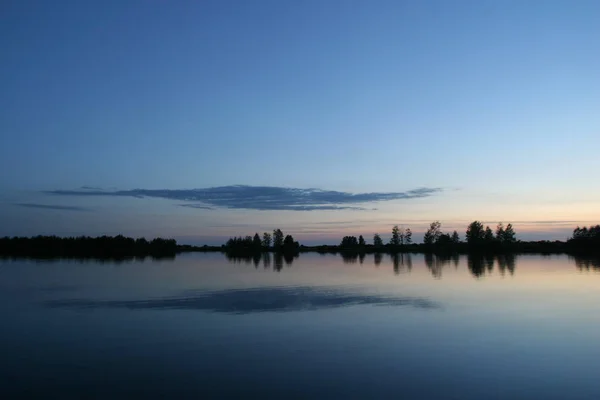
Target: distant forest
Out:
[104,247]
[477,239]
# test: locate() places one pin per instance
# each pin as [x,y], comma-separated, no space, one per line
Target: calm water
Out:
[203,326]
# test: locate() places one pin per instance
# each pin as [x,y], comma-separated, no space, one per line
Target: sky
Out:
[200,120]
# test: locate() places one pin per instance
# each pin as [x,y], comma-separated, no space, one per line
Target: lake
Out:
[313,326]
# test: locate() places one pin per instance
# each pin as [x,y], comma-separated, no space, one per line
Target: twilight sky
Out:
[199,120]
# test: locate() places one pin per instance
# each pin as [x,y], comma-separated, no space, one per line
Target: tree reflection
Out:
[278,261]
[401,262]
[482,264]
[510,263]
[479,264]
[256,259]
[476,265]
[349,257]
[587,263]
[396,263]
[289,258]
[455,260]
[435,263]
[266,258]
[377,258]
[489,262]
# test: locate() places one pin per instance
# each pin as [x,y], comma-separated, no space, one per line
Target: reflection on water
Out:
[410,326]
[587,264]
[479,265]
[279,259]
[261,299]
[89,260]
[378,257]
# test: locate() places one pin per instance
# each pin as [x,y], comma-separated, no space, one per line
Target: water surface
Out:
[314,326]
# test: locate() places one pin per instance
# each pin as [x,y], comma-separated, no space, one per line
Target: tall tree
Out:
[277,238]
[455,238]
[433,233]
[488,236]
[361,240]
[509,235]
[266,240]
[349,241]
[288,242]
[256,243]
[408,236]
[395,239]
[377,242]
[500,232]
[444,240]
[475,233]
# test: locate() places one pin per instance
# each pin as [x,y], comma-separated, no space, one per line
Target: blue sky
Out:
[487,110]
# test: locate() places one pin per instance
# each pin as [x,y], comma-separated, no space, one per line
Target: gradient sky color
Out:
[494,105]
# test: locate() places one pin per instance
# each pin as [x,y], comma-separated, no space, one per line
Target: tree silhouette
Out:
[109,247]
[488,235]
[349,242]
[509,235]
[289,245]
[256,242]
[377,242]
[433,233]
[455,238]
[500,232]
[361,241]
[377,259]
[475,233]
[395,239]
[408,236]
[444,240]
[266,240]
[277,238]
[585,239]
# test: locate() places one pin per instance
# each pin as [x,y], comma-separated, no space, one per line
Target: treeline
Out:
[85,247]
[477,238]
[585,239]
[277,242]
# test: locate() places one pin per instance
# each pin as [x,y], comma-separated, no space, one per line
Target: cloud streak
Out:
[51,207]
[262,197]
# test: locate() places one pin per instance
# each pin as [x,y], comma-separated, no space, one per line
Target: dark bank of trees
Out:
[478,238]
[277,242]
[109,247]
[585,239]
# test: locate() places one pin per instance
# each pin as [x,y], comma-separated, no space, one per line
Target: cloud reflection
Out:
[255,300]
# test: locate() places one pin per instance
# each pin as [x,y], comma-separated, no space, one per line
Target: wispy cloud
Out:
[199,206]
[51,207]
[263,197]
[542,222]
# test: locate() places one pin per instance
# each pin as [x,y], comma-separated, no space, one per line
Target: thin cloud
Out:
[263,197]
[198,206]
[51,207]
[544,222]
